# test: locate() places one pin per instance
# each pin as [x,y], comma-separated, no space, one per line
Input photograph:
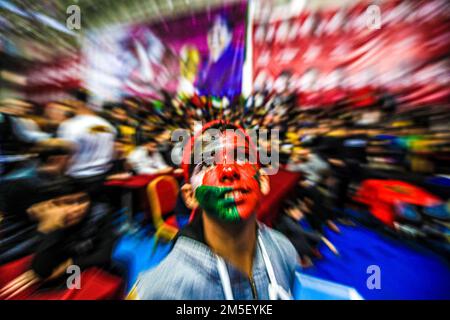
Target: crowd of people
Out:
[56,158]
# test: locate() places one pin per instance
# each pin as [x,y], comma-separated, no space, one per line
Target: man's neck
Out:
[235,243]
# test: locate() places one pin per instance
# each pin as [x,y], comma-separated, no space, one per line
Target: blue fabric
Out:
[407,272]
[438,212]
[134,251]
[408,212]
[439,181]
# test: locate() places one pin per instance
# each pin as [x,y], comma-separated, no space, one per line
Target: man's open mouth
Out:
[238,194]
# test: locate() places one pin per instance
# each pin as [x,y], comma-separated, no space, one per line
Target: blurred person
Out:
[344,149]
[76,231]
[223,253]
[153,66]
[284,100]
[315,172]
[310,164]
[18,233]
[118,115]
[172,153]
[146,159]
[305,242]
[189,64]
[164,146]
[55,113]
[126,129]
[18,131]
[93,142]
[120,168]
[217,74]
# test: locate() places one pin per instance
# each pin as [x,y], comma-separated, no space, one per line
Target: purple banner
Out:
[201,53]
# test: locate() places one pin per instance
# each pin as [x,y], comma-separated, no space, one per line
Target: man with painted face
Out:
[223,253]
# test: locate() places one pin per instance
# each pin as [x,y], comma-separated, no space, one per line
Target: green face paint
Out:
[227,188]
[212,200]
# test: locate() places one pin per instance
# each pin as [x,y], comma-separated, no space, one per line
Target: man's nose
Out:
[229,173]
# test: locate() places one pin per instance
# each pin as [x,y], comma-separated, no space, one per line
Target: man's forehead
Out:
[229,139]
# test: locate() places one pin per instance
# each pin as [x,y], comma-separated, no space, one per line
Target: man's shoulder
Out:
[170,269]
[174,278]
[159,283]
[279,240]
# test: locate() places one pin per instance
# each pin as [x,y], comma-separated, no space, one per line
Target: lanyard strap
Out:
[267,263]
[224,278]
[275,290]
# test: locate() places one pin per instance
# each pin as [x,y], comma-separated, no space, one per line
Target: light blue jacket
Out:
[190,272]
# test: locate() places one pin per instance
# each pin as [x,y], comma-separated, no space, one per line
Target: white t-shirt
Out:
[93,138]
[143,163]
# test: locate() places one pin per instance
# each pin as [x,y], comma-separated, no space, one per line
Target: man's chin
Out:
[245,211]
[240,219]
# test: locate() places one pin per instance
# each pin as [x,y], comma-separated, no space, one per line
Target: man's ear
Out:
[188,196]
[264,183]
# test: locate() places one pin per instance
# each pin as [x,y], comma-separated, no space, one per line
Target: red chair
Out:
[96,284]
[162,195]
[381,196]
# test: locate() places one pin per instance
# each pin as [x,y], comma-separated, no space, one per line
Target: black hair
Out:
[224,19]
[81,95]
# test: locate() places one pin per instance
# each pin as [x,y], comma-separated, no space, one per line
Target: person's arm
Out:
[159,166]
[158,161]
[28,131]
[50,254]
[100,257]
[291,226]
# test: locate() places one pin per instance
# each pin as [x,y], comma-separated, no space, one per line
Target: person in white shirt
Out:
[93,140]
[146,159]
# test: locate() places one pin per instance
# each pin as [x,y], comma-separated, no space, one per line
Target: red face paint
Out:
[229,188]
